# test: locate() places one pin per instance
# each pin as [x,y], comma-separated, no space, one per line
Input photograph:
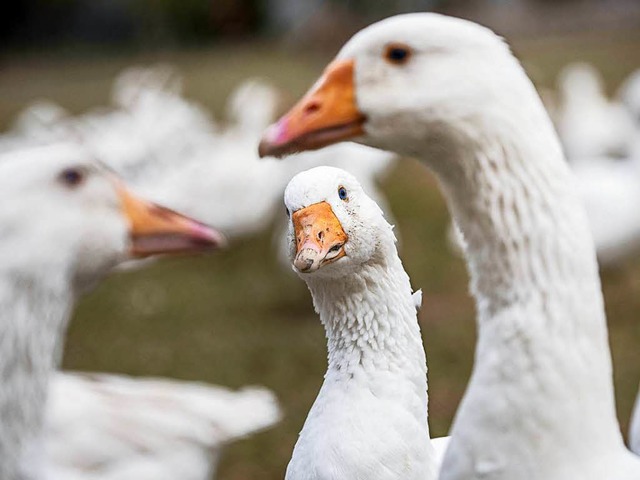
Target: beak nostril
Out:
[312,107]
[320,235]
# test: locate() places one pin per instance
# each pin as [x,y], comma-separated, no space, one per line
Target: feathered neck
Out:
[34,313]
[370,320]
[541,388]
[375,390]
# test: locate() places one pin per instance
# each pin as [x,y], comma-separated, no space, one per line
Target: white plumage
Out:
[112,427]
[540,403]
[174,152]
[609,190]
[629,95]
[634,431]
[590,125]
[66,221]
[369,420]
[602,144]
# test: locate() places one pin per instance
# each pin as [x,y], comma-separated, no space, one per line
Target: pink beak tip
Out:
[209,235]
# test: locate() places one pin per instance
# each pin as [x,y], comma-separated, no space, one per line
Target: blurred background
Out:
[240,317]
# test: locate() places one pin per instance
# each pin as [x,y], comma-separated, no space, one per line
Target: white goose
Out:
[634,431]
[540,403]
[66,221]
[629,95]
[591,125]
[370,417]
[171,149]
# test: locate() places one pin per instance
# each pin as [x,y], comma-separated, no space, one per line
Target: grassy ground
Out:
[236,318]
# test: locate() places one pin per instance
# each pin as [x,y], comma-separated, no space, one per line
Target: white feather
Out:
[109,427]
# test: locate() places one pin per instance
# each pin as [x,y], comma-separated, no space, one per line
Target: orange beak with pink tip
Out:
[327,114]
[155,230]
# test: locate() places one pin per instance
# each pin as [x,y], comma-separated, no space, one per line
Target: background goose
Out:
[629,95]
[634,434]
[66,221]
[174,152]
[540,402]
[113,427]
[589,124]
[370,417]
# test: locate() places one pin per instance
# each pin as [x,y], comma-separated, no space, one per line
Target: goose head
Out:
[60,211]
[397,80]
[334,226]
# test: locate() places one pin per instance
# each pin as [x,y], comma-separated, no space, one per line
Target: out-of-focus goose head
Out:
[62,211]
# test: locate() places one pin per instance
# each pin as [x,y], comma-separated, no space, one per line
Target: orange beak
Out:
[155,230]
[327,114]
[320,238]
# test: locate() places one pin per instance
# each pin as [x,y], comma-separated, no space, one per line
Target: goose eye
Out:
[342,193]
[397,54]
[72,177]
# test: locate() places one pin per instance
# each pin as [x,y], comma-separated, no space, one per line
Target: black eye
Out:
[397,54]
[342,193]
[72,177]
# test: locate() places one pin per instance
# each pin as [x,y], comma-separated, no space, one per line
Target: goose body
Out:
[540,402]
[113,427]
[608,188]
[629,95]
[66,221]
[370,417]
[634,432]
[602,143]
[589,124]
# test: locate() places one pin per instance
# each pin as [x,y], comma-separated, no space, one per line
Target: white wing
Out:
[112,427]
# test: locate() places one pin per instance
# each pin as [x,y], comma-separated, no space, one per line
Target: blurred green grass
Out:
[235,317]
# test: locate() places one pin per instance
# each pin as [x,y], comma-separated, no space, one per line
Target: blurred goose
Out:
[370,417]
[66,221]
[629,95]
[590,125]
[634,432]
[113,427]
[609,190]
[540,403]
[173,151]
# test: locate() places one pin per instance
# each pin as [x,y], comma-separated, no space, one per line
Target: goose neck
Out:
[542,341]
[33,317]
[370,321]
